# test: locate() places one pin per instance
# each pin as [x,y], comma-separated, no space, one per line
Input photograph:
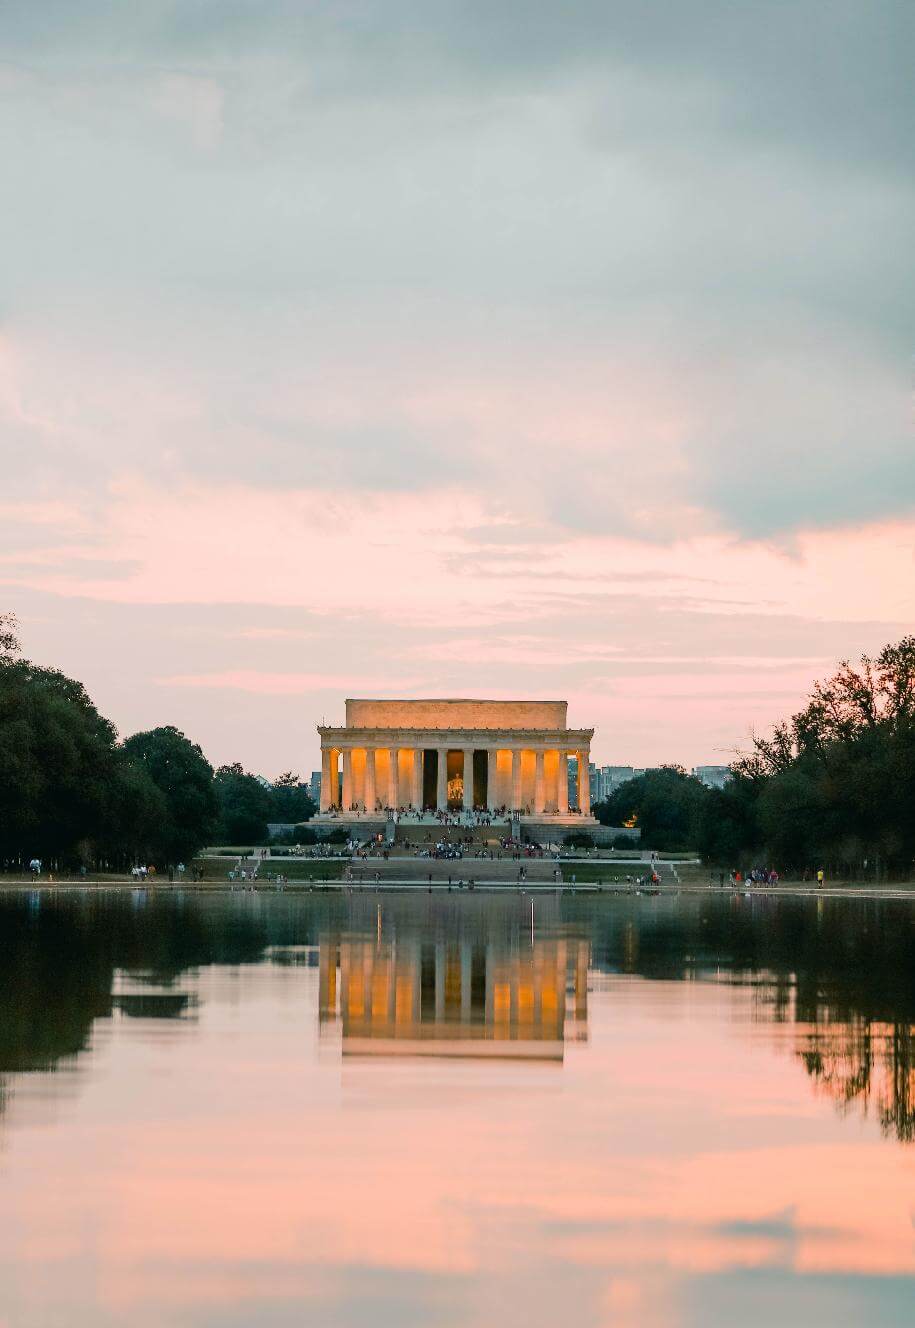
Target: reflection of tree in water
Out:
[59,954]
[58,958]
[852,1000]
[842,971]
[867,1066]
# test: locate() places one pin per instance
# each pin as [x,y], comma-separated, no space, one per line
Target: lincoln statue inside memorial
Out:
[416,758]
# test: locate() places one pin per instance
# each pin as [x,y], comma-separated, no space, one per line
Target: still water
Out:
[455,1110]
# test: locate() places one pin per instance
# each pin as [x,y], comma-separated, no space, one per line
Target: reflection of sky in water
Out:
[213,1112]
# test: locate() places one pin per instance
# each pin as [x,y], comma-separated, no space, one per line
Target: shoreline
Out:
[796,890]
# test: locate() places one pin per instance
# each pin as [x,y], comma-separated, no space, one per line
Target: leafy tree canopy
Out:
[835,784]
[184,777]
[245,806]
[289,800]
[665,804]
[66,789]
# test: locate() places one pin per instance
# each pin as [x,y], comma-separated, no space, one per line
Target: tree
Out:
[289,799]
[139,812]
[835,784]
[65,786]
[728,825]
[9,636]
[184,777]
[665,804]
[244,806]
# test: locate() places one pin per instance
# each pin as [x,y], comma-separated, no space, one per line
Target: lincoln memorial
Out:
[505,758]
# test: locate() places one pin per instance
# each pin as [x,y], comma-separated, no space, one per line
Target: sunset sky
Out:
[493,348]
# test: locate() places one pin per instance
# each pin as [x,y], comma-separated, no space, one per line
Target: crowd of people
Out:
[463,816]
[756,876]
[451,846]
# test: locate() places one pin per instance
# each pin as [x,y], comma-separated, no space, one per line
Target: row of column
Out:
[385,987]
[392,795]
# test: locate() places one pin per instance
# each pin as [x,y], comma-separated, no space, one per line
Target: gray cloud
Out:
[831,72]
[416,245]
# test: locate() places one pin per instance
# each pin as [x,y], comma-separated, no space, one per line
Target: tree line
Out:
[72,794]
[843,973]
[831,787]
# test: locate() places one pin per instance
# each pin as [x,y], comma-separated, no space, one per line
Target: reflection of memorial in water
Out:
[476,980]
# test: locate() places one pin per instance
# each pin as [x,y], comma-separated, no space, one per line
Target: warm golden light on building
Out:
[454,755]
[483,994]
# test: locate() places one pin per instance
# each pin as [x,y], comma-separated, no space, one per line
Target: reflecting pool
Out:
[455,1109]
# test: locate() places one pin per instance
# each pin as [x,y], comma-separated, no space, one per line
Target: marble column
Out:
[584,784]
[516,779]
[562,783]
[393,782]
[441,792]
[492,778]
[370,794]
[347,798]
[539,785]
[328,763]
[468,779]
[418,778]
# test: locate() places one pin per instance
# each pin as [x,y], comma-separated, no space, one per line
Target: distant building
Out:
[712,776]
[606,779]
[314,787]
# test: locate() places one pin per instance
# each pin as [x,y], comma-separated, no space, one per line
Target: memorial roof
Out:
[456,713]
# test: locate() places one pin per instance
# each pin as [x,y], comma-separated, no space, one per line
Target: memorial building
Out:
[472,758]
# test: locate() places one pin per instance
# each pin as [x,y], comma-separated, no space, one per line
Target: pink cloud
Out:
[394,553]
[281,684]
[667,649]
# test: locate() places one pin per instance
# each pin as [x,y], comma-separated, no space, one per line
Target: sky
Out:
[442,348]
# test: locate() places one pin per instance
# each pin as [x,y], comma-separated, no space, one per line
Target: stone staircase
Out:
[427,834]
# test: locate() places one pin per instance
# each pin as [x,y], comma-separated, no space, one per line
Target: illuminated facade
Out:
[432,756]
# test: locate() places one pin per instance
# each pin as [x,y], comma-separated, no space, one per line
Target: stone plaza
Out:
[427,758]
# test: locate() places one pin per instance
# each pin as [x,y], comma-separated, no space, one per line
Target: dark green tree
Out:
[666,805]
[184,777]
[835,784]
[289,800]
[728,831]
[65,786]
[244,806]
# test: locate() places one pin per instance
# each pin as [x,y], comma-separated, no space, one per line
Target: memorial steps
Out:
[431,832]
